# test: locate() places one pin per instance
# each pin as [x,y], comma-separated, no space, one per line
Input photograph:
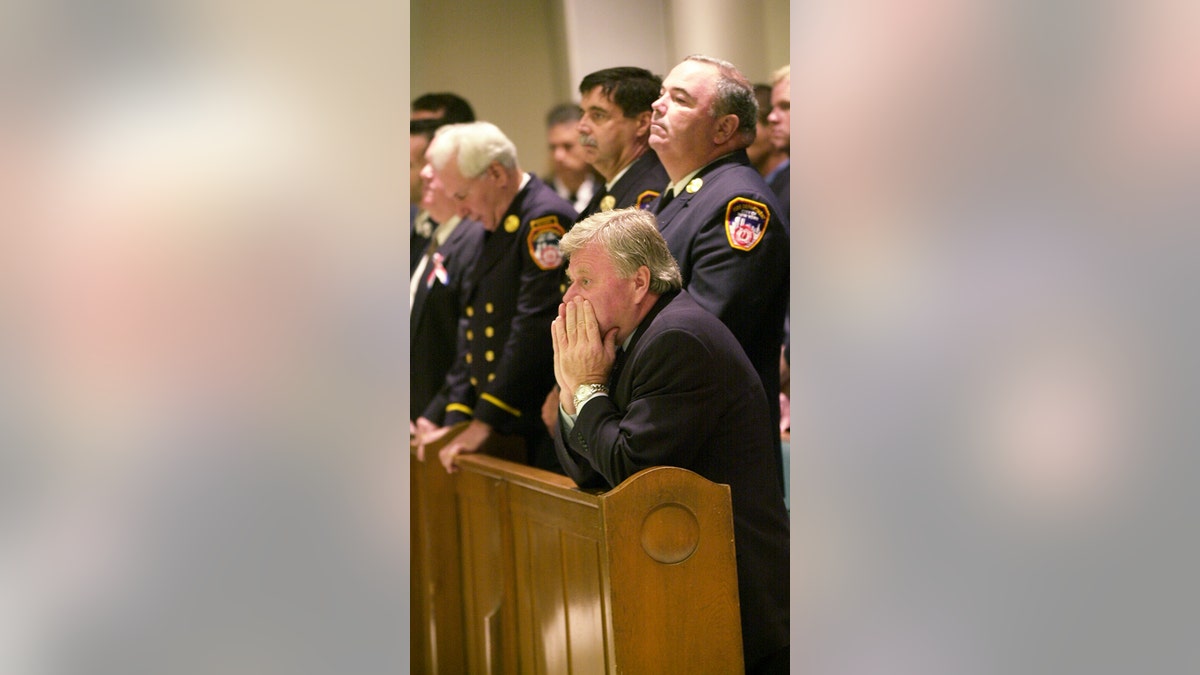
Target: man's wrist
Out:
[585,391]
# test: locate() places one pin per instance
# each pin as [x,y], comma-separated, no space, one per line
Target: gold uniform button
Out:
[489,355]
[488,308]
[468,358]
[562,288]
[470,311]
[489,331]
[474,381]
[491,376]
[470,335]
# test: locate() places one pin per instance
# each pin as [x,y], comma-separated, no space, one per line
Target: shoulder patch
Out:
[544,236]
[746,222]
[645,199]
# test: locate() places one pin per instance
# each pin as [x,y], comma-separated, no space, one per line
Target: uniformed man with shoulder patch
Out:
[506,367]
[615,136]
[719,217]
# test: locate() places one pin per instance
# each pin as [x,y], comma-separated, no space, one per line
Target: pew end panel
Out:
[672,573]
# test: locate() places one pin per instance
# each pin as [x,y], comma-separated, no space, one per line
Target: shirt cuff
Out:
[567,420]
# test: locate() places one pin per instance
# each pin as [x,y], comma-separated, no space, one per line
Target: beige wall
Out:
[506,58]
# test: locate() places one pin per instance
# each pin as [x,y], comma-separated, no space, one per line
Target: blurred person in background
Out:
[429,111]
[570,175]
[763,154]
[437,294]
[421,226]
[779,118]
[447,107]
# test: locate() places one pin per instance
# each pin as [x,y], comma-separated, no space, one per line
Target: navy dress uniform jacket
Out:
[433,330]
[732,248]
[687,396]
[506,368]
[640,185]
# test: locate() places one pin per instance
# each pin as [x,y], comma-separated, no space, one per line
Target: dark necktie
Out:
[663,200]
[618,364]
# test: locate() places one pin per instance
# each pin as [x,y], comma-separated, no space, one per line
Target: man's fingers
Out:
[571,319]
[582,308]
[447,456]
[558,333]
[590,323]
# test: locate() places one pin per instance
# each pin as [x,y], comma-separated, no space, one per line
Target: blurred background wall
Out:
[515,60]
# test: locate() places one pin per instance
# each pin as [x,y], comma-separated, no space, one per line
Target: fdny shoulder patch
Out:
[645,199]
[746,222]
[544,236]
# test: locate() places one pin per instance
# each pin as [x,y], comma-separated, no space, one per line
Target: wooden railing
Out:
[516,570]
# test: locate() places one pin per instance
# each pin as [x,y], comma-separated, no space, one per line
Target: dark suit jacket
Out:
[639,186]
[416,241]
[740,277]
[506,367]
[687,396]
[433,329]
[781,184]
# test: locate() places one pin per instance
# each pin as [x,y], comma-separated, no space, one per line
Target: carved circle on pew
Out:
[670,533]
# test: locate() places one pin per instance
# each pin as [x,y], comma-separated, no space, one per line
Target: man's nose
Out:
[570,294]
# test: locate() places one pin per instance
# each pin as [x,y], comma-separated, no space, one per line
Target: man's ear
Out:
[641,283]
[727,127]
[643,122]
[498,173]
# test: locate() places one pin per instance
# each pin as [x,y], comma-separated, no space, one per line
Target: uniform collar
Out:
[620,174]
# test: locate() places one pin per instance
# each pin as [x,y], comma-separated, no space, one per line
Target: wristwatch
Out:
[585,391]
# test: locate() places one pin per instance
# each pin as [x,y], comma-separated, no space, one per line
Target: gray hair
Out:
[631,239]
[735,96]
[477,145]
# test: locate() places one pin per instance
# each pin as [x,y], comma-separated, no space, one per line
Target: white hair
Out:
[477,145]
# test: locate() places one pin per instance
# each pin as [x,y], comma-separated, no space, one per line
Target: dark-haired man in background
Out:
[615,135]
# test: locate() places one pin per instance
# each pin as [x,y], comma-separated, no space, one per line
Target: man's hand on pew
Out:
[470,440]
[426,432]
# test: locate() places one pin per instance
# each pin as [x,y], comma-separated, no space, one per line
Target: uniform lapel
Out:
[496,244]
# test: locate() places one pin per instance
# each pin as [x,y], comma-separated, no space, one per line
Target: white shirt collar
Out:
[609,185]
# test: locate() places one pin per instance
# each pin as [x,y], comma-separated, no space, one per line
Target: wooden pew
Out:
[516,570]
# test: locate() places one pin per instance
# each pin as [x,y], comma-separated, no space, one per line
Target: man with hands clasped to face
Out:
[650,378]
